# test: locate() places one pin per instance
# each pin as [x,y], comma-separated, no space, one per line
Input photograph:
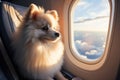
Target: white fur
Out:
[40,61]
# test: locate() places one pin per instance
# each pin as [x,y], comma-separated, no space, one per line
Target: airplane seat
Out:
[11,16]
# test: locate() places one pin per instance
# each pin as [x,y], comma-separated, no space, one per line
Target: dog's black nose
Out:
[57,34]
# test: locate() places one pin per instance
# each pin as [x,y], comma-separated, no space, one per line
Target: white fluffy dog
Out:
[38,45]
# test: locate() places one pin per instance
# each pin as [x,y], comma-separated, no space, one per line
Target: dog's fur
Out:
[38,46]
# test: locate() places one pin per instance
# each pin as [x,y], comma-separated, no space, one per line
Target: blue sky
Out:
[91,13]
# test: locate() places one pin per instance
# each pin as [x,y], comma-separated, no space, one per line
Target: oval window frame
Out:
[69,51]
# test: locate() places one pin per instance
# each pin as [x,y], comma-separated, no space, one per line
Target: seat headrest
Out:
[11,16]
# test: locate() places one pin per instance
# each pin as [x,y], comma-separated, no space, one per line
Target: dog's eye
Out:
[45,28]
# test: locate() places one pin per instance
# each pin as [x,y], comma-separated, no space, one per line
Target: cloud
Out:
[104,12]
[104,44]
[83,57]
[78,41]
[82,3]
[81,20]
[101,10]
[92,24]
[86,49]
[83,46]
[92,12]
[91,52]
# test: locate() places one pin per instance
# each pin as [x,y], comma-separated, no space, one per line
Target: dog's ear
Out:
[33,12]
[53,13]
[41,9]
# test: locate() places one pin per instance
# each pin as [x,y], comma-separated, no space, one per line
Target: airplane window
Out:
[89,30]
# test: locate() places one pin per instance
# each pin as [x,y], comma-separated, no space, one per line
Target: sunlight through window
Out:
[90,23]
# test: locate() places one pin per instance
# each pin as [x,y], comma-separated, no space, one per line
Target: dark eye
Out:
[45,28]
